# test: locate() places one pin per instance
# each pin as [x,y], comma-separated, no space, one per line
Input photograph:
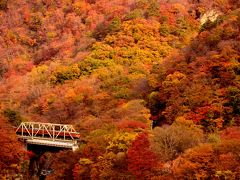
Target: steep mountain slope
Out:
[108,68]
[202,83]
[114,73]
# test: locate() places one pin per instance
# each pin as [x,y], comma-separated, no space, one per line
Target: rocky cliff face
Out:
[211,15]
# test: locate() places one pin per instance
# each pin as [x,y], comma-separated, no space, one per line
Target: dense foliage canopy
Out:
[113,68]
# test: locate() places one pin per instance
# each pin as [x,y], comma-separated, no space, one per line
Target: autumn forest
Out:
[152,86]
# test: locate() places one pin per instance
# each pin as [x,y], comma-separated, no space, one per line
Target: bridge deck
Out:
[64,144]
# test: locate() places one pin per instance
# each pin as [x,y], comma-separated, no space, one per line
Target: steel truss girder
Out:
[46,130]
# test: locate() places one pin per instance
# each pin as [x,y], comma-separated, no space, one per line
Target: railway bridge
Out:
[48,134]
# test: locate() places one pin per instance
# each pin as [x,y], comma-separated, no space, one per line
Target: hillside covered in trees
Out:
[114,69]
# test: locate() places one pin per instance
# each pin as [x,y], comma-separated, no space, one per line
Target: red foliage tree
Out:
[208,116]
[231,133]
[141,159]
[13,155]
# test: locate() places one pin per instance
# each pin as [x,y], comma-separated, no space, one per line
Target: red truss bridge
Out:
[57,135]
